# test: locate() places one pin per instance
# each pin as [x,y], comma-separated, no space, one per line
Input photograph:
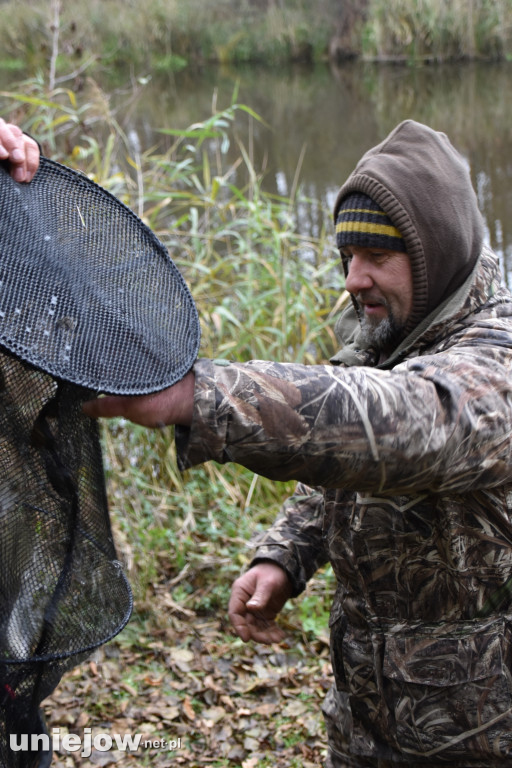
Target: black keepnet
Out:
[89,301]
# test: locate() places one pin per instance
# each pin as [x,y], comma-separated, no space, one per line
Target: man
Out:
[403,456]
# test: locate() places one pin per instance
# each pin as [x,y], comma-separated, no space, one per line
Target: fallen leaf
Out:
[294,709]
[266,709]
[182,658]
[153,681]
[104,758]
[251,762]
[250,744]
[129,689]
[188,709]
[214,714]
[82,720]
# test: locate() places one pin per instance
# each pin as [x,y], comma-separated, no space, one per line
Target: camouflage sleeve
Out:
[440,422]
[295,540]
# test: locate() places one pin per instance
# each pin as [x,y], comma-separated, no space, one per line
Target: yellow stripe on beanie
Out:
[361,221]
[369,227]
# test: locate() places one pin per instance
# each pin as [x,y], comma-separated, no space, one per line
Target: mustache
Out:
[369,298]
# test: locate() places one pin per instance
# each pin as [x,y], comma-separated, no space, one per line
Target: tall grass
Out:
[262,289]
[438,29]
[170,35]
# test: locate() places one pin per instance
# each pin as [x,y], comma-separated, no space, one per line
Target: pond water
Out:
[318,122]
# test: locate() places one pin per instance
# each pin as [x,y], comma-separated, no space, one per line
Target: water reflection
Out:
[320,121]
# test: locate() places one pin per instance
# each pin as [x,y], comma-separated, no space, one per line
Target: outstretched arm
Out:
[20,150]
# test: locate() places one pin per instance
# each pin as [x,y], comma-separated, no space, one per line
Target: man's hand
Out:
[20,150]
[173,405]
[256,599]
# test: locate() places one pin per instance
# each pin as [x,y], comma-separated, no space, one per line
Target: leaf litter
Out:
[182,677]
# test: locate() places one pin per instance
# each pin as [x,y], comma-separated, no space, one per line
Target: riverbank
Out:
[194,34]
[177,672]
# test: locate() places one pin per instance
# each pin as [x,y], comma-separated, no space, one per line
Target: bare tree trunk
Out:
[344,43]
[55,28]
[471,45]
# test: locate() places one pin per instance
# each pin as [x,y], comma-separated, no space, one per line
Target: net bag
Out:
[89,301]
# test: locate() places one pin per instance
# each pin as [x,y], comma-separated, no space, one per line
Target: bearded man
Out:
[403,456]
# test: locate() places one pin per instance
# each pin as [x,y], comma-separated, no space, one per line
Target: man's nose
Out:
[359,275]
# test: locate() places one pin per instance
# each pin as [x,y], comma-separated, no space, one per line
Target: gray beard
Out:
[383,336]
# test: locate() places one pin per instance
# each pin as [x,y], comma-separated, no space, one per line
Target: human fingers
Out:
[20,150]
[111,406]
[141,409]
[10,135]
[263,630]
[249,625]
[173,405]
[254,605]
[11,145]
[31,157]
[272,588]
[237,609]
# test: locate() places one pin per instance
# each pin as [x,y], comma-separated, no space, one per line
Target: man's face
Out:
[380,280]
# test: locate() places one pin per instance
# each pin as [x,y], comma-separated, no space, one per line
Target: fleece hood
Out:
[423,184]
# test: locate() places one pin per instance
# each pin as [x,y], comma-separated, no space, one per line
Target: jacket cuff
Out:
[205,439]
[284,559]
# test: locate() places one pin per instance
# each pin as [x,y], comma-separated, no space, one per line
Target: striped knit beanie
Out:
[362,222]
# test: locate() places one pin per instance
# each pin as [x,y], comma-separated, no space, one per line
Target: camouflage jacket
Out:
[405,487]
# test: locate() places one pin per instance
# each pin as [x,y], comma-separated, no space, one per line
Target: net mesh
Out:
[89,301]
[62,590]
[87,292]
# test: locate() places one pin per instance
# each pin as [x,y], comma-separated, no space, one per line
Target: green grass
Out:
[437,30]
[112,35]
[263,290]
[170,35]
